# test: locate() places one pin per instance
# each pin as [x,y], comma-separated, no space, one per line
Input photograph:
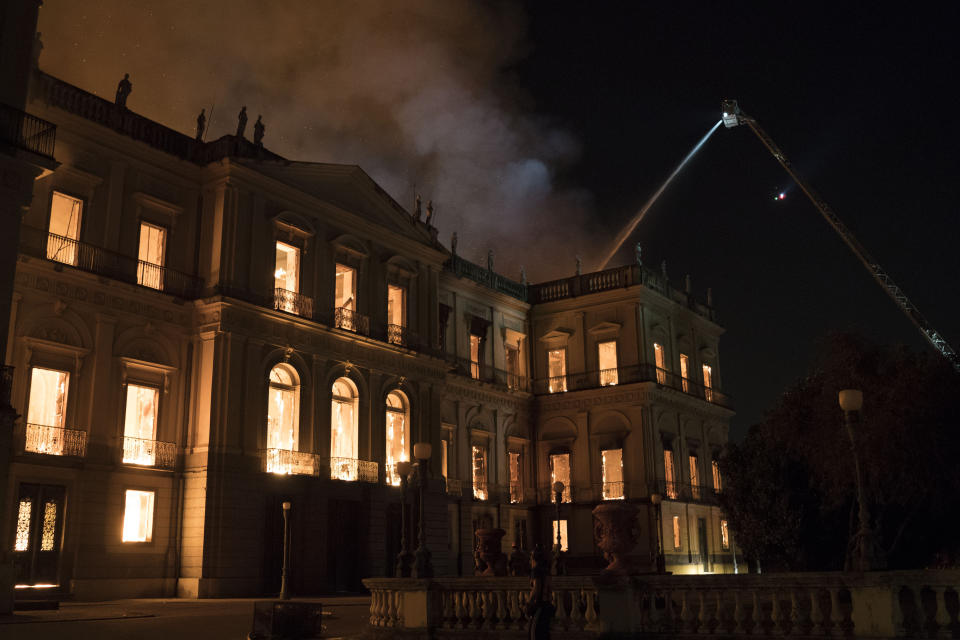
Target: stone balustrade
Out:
[893,604]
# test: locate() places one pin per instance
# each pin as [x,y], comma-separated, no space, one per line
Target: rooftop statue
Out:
[241,121]
[201,124]
[124,87]
[258,131]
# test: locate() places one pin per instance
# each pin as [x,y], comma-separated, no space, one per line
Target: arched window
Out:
[343,430]
[398,433]
[283,418]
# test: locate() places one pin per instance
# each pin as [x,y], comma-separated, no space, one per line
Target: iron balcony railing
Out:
[488,278]
[686,492]
[287,462]
[87,257]
[24,131]
[149,453]
[612,491]
[51,441]
[454,487]
[546,494]
[293,302]
[350,320]
[350,469]
[401,336]
[486,373]
[516,492]
[481,489]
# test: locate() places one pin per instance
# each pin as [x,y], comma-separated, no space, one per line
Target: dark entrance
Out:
[273,546]
[38,522]
[702,538]
[344,555]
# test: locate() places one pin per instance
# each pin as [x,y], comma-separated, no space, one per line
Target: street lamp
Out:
[422,567]
[657,500]
[558,487]
[284,585]
[865,555]
[404,467]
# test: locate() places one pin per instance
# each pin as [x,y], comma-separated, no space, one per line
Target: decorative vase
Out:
[491,553]
[617,532]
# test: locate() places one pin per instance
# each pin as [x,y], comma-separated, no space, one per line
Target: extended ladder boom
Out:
[732,116]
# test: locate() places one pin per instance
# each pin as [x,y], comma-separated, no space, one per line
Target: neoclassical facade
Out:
[200,332]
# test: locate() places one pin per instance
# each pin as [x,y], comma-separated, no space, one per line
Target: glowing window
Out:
[62,244]
[346,288]
[724,535]
[717,481]
[286,274]
[516,477]
[398,434]
[140,425]
[611,463]
[661,362]
[685,372]
[444,445]
[708,382]
[511,356]
[46,410]
[607,358]
[669,474]
[475,342]
[151,255]
[676,532]
[138,516]
[564,540]
[396,305]
[560,472]
[480,491]
[283,417]
[24,514]
[344,447]
[694,476]
[49,531]
[557,370]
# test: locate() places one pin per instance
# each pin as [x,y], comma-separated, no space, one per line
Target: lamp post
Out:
[558,487]
[422,567]
[864,556]
[656,500]
[404,467]
[284,584]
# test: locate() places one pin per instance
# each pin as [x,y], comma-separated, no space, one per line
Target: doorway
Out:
[38,519]
[704,548]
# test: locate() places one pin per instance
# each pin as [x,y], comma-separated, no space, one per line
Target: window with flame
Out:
[564,540]
[138,516]
[283,417]
[346,288]
[676,533]
[398,433]
[62,243]
[695,476]
[560,472]
[151,255]
[660,359]
[480,488]
[396,305]
[724,535]
[685,372]
[611,467]
[344,447]
[717,480]
[476,347]
[557,370]
[669,474]
[444,446]
[140,425]
[607,359]
[516,477]
[708,382]
[286,273]
[511,357]
[46,410]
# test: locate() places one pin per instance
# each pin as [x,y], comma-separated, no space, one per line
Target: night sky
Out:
[544,119]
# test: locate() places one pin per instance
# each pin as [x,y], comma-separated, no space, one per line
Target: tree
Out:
[790,490]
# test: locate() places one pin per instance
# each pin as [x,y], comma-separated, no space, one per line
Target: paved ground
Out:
[155,619]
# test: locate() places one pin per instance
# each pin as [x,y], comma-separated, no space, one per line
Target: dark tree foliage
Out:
[790,486]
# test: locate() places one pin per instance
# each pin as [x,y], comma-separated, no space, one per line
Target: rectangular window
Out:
[480,491]
[685,372]
[286,274]
[557,370]
[708,382]
[564,541]
[346,289]
[151,255]
[396,313]
[717,483]
[669,474]
[24,518]
[475,348]
[661,362]
[611,462]
[560,472]
[140,425]
[512,358]
[676,533]
[516,478]
[694,477]
[607,358]
[138,516]
[46,410]
[64,231]
[444,444]
[724,535]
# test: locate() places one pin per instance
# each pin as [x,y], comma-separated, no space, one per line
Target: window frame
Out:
[150,539]
[562,382]
[404,409]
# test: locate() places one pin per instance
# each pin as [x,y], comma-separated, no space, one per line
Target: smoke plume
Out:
[418,93]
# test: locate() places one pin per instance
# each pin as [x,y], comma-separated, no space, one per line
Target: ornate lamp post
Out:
[284,585]
[422,567]
[865,557]
[405,559]
[657,500]
[558,488]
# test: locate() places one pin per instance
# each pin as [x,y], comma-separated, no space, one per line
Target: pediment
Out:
[605,328]
[560,333]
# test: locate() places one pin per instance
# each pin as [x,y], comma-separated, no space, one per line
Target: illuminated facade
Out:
[202,331]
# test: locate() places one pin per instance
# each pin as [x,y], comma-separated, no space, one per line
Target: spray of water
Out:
[627,230]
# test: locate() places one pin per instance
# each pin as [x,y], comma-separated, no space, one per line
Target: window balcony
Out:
[287,462]
[293,302]
[399,335]
[481,489]
[24,131]
[548,496]
[304,463]
[149,453]
[612,491]
[516,492]
[350,320]
[485,373]
[51,441]
[685,492]
[350,469]
[454,487]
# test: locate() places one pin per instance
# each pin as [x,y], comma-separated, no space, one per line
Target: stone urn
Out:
[617,532]
[490,552]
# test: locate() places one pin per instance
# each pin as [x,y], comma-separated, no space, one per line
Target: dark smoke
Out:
[415,92]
